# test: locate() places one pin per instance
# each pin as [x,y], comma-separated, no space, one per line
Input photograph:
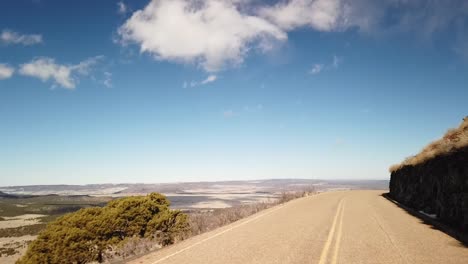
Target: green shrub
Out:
[86,235]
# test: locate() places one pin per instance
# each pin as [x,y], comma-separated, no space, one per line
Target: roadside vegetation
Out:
[126,227]
[94,234]
[204,221]
[453,139]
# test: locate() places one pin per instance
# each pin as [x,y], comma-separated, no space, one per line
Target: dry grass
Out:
[133,246]
[201,222]
[454,139]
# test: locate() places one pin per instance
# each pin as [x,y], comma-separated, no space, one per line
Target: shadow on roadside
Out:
[433,223]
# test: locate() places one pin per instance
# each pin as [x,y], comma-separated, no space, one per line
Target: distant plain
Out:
[26,210]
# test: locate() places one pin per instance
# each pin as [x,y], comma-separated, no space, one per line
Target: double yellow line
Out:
[339,214]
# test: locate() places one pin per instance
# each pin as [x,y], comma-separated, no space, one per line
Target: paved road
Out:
[338,227]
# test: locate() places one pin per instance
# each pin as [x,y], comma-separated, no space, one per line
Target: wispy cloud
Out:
[107,79]
[319,67]
[65,76]
[418,16]
[6,71]
[122,8]
[211,78]
[322,15]
[336,61]
[12,37]
[316,69]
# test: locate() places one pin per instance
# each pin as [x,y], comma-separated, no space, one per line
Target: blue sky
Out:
[164,91]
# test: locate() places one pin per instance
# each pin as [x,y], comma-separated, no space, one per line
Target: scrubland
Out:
[207,206]
[130,226]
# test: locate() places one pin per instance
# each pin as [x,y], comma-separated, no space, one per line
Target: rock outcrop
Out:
[436,185]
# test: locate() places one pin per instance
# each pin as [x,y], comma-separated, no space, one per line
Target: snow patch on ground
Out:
[433,216]
[20,220]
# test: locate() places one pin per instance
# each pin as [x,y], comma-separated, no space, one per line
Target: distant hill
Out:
[124,189]
[5,195]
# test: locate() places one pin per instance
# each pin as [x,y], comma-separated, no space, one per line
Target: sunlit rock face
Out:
[438,187]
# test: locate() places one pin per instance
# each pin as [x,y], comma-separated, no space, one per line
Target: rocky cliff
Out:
[437,184]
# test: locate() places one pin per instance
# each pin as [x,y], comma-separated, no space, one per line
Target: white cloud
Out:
[65,76]
[11,37]
[217,34]
[322,15]
[420,16]
[6,71]
[107,79]
[336,61]
[211,78]
[213,34]
[121,8]
[316,69]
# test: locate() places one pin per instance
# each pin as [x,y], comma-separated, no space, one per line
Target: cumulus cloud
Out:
[217,34]
[11,37]
[6,71]
[213,34]
[62,75]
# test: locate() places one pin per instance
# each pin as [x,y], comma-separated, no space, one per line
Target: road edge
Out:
[461,237]
[219,229]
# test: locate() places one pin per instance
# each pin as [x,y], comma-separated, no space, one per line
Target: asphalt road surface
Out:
[337,227]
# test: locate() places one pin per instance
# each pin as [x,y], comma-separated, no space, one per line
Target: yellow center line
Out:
[338,237]
[323,256]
